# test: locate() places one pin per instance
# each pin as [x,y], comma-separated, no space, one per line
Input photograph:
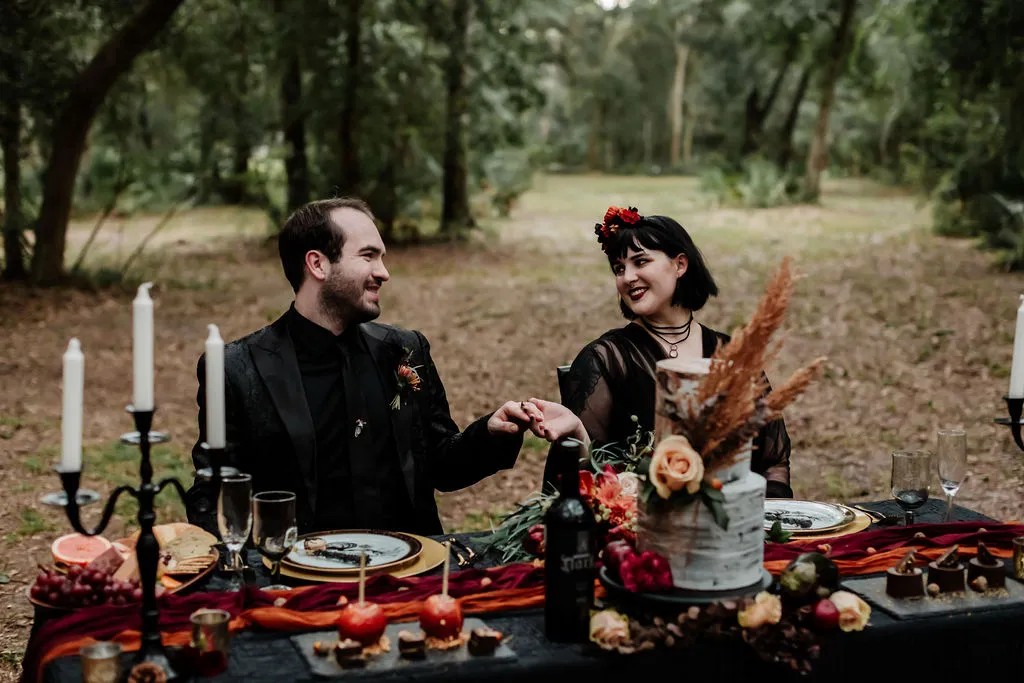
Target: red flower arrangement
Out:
[612,496]
[615,218]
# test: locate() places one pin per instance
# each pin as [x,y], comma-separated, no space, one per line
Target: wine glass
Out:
[234,520]
[911,476]
[952,463]
[274,530]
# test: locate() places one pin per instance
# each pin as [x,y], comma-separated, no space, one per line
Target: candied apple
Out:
[362,621]
[441,617]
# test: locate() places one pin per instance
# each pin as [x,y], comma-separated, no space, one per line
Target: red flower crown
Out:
[615,218]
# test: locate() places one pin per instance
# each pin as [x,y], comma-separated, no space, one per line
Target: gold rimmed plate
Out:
[384,550]
[431,556]
[806,516]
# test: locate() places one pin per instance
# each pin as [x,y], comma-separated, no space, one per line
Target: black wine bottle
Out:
[570,544]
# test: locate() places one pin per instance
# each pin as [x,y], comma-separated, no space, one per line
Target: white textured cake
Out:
[703,556]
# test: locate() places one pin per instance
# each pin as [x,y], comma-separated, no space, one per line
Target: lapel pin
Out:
[359,428]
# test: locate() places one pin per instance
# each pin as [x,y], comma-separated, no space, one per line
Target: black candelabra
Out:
[1013,407]
[147,548]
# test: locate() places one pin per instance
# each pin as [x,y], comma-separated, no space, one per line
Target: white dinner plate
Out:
[384,549]
[806,516]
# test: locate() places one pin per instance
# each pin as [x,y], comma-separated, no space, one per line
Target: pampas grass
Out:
[732,402]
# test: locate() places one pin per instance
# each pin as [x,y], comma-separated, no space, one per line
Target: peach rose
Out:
[766,609]
[675,465]
[854,613]
[609,629]
[630,483]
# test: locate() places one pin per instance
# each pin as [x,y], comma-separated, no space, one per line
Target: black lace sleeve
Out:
[587,393]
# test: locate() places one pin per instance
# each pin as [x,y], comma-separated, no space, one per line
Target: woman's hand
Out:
[514,417]
[558,422]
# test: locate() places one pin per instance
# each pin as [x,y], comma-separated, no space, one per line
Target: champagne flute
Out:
[911,476]
[234,520]
[274,529]
[952,463]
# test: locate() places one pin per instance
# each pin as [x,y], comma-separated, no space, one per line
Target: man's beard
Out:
[341,301]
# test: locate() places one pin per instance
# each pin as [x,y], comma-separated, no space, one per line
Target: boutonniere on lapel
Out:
[407,378]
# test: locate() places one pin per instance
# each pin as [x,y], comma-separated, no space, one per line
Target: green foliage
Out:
[509,174]
[932,98]
[507,539]
[759,184]
[32,523]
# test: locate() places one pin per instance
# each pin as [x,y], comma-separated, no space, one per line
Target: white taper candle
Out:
[216,436]
[1017,369]
[142,348]
[71,419]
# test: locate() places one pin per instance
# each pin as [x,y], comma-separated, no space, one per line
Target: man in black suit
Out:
[349,414]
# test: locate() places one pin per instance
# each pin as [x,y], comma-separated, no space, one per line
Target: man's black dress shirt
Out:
[356,487]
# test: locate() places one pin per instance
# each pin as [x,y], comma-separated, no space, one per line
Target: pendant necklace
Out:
[683,330]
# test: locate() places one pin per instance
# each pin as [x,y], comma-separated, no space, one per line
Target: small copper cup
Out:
[1018,557]
[101,662]
[210,630]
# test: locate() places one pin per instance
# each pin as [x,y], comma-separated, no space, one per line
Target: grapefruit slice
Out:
[78,549]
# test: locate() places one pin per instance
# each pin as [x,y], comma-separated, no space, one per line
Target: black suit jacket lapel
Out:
[275,360]
[386,357]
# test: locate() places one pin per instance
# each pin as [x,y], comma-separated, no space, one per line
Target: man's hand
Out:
[514,417]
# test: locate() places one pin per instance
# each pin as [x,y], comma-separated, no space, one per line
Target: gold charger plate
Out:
[431,555]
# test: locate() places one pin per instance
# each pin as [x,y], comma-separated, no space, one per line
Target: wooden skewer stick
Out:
[447,563]
[362,577]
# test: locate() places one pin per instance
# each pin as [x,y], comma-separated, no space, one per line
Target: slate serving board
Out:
[328,667]
[872,589]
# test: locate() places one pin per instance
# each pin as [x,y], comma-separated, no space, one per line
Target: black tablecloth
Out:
[964,645]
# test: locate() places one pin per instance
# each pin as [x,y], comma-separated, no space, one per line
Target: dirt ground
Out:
[918,331]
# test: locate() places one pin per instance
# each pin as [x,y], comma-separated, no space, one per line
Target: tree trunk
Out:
[676,103]
[756,111]
[690,125]
[296,165]
[350,173]
[817,157]
[236,189]
[86,95]
[455,214]
[789,125]
[594,162]
[10,141]
[293,117]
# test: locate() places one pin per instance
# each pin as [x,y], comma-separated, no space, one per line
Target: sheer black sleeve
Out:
[588,394]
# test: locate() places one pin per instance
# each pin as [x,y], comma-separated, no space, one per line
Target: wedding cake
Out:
[703,555]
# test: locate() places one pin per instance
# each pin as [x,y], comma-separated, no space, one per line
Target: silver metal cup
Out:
[101,662]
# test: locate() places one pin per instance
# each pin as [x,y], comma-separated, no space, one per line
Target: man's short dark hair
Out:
[310,228]
[662,233]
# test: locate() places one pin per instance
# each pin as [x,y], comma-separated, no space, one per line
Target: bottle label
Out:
[581,559]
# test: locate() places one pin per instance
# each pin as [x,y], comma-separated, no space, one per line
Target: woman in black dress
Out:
[662,281]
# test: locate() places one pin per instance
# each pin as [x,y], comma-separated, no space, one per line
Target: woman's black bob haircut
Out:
[661,233]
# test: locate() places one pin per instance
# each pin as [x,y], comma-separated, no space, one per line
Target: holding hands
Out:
[546,419]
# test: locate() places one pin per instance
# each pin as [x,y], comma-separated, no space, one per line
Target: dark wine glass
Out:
[274,530]
[911,477]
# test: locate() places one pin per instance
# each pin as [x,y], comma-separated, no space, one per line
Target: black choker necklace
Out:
[683,330]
